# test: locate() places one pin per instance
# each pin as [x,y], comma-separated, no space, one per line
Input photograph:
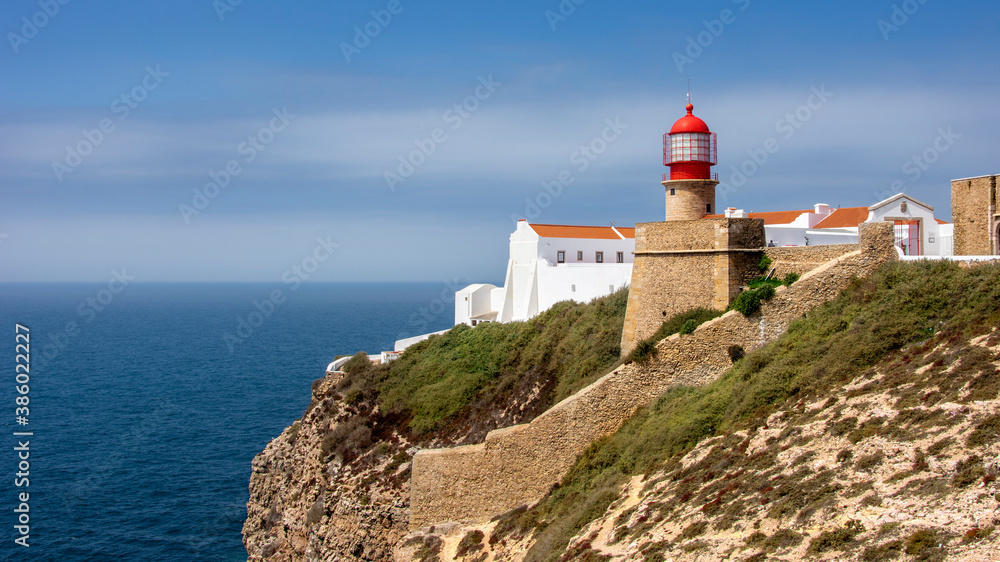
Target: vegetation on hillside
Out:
[872,322]
[451,377]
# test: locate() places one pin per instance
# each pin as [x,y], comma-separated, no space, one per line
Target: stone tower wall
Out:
[689,199]
[974,211]
[680,265]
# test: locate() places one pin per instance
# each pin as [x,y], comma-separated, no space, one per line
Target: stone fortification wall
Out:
[518,465]
[974,211]
[800,259]
[680,265]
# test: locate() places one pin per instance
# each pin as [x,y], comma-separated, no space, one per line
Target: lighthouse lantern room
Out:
[689,148]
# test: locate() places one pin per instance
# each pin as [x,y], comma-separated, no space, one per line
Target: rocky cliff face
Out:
[308,502]
[901,464]
[335,484]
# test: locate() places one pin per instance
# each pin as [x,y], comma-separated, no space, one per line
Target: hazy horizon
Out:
[393,140]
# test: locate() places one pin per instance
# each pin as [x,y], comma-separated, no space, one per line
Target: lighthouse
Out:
[695,258]
[689,150]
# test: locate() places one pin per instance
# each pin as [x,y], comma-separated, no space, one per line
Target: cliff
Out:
[335,484]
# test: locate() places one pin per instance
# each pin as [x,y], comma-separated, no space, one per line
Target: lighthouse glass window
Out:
[690,147]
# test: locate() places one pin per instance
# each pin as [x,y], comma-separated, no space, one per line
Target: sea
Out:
[145,404]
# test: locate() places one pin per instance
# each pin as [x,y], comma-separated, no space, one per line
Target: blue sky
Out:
[312,105]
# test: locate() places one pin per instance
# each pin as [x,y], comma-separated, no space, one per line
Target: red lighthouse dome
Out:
[689,148]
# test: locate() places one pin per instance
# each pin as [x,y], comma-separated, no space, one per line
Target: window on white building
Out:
[600,257]
[579,255]
[621,257]
[561,256]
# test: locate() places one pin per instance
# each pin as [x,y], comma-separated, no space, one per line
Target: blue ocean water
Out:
[146,415]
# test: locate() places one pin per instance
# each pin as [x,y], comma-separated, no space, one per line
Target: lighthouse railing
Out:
[715,176]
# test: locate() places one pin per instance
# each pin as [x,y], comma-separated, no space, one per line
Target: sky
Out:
[401,140]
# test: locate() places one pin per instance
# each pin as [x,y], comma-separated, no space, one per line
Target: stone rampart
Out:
[518,465]
[800,259]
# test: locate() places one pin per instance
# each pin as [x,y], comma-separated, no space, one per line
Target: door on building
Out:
[907,236]
[996,236]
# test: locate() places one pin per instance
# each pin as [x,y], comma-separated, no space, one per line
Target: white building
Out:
[918,233]
[548,264]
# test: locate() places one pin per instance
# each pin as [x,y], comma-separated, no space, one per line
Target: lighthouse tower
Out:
[689,150]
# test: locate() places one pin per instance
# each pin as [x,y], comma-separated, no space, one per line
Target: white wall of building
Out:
[580,283]
[947,234]
[472,301]
[789,235]
[905,208]
[535,280]
[827,236]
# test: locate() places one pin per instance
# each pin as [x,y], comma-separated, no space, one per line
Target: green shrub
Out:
[430,548]
[347,440]
[790,278]
[748,302]
[764,265]
[688,327]
[357,364]
[643,351]
[471,543]
[760,282]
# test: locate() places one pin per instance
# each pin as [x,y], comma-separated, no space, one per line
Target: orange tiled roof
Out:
[626,232]
[843,218]
[771,217]
[939,221]
[570,231]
